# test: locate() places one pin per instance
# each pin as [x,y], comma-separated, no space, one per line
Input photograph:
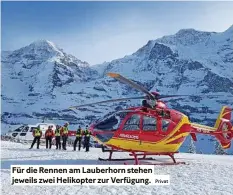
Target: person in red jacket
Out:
[64,134]
[49,134]
[37,133]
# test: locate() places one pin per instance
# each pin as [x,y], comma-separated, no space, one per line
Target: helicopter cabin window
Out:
[111,122]
[149,123]
[132,124]
[25,129]
[165,125]
[14,134]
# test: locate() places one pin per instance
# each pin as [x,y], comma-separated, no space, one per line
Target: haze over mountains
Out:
[41,80]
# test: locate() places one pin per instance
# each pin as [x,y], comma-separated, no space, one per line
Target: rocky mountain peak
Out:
[44,44]
[38,50]
[186,37]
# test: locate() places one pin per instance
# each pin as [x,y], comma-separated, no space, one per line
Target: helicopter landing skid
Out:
[121,159]
[171,155]
[143,154]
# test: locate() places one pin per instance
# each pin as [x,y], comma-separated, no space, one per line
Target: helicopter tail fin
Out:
[224,114]
[223,126]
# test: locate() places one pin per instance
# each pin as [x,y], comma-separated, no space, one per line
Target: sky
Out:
[103,31]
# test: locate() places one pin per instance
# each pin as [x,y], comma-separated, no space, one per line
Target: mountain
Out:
[48,80]
[189,62]
[36,79]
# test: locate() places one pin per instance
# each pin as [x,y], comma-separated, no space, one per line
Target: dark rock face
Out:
[160,51]
[216,83]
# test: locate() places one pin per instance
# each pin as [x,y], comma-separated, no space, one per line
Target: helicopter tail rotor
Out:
[224,127]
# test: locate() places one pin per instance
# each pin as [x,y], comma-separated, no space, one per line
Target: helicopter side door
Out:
[165,127]
[150,129]
[130,130]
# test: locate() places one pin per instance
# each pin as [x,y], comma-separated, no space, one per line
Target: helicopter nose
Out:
[100,134]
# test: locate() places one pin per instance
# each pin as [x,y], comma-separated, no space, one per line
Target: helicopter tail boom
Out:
[222,129]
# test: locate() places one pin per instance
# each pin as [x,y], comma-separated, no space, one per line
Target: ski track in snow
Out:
[205,174]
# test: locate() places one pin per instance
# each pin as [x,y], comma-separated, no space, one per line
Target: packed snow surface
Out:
[204,174]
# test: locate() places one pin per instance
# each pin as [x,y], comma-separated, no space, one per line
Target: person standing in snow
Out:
[48,136]
[87,135]
[37,133]
[58,137]
[78,139]
[64,134]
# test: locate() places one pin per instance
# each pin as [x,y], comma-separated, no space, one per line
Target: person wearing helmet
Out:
[48,137]
[78,138]
[37,133]
[58,137]
[64,134]
[87,135]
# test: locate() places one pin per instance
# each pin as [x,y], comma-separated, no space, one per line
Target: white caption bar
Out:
[86,175]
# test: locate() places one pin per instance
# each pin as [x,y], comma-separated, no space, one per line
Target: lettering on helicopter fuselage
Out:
[202,130]
[128,136]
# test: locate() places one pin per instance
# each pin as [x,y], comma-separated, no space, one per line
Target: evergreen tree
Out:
[218,148]
[192,148]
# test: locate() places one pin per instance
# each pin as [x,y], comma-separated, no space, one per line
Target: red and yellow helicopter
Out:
[153,129]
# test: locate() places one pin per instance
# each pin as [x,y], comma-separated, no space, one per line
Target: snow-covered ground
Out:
[204,174]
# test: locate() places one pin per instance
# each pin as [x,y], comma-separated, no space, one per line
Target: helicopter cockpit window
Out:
[132,124]
[19,129]
[111,122]
[149,123]
[26,129]
[165,125]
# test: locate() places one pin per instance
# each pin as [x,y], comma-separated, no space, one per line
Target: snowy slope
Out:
[42,81]
[205,174]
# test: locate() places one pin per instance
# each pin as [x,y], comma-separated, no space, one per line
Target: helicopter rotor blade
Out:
[130,83]
[107,101]
[174,96]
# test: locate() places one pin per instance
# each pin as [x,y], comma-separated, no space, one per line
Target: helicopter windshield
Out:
[112,122]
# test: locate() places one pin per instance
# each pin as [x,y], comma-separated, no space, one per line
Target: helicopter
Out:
[152,128]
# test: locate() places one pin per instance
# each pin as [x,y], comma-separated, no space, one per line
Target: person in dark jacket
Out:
[48,137]
[78,139]
[37,133]
[87,135]
[58,137]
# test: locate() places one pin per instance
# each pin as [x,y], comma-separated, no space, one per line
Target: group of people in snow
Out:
[62,133]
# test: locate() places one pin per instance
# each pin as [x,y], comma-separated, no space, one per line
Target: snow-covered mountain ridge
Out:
[42,81]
